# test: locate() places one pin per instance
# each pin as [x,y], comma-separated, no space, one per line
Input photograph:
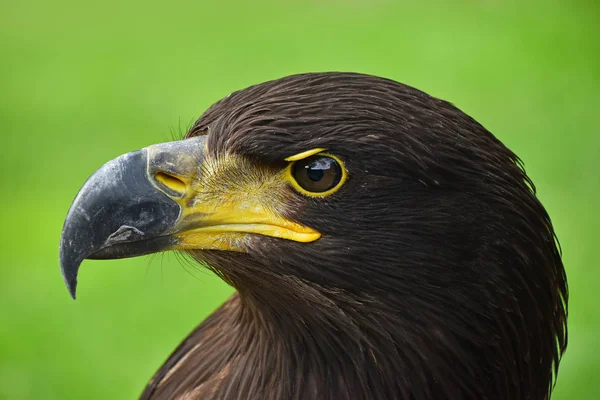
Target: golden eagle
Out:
[383,245]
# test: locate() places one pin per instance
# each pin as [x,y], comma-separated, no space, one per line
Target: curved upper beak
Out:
[154,200]
[129,206]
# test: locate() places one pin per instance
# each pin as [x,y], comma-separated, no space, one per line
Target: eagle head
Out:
[383,244]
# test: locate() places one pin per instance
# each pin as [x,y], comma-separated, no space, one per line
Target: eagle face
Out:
[390,240]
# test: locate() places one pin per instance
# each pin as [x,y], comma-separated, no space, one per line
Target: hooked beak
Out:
[149,201]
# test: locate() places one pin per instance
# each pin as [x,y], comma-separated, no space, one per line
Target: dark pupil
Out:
[314,172]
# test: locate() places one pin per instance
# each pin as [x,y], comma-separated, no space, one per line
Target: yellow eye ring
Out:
[316,173]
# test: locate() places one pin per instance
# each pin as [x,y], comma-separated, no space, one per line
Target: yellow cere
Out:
[171,182]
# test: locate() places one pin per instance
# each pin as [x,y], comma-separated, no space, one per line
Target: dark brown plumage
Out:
[437,276]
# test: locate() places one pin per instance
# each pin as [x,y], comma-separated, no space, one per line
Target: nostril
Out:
[171,184]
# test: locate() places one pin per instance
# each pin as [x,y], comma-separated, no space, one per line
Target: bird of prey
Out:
[382,244]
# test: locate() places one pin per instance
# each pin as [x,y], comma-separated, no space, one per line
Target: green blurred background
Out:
[83,82]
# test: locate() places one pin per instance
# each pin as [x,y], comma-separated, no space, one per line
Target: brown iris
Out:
[317,174]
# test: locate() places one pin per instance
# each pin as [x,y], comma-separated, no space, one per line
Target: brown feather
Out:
[438,275]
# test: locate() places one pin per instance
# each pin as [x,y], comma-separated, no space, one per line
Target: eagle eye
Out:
[317,175]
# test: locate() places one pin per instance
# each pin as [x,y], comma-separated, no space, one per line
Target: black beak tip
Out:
[72,287]
[71,283]
[69,267]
